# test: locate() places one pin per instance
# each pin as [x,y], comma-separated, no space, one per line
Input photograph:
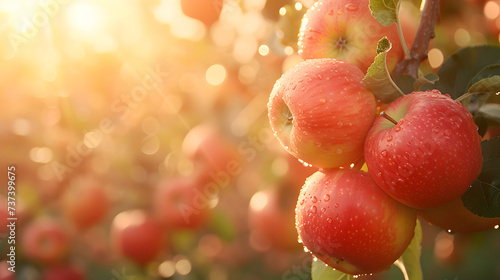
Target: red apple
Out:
[136,235]
[209,150]
[455,217]
[85,194]
[431,156]
[181,203]
[346,30]
[272,218]
[344,219]
[63,272]
[46,240]
[206,11]
[320,112]
[5,273]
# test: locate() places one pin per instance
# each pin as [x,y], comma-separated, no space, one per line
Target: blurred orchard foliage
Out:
[102,95]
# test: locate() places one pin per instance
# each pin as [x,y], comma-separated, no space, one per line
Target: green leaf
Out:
[457,72]
[491,112]
[321,271]
[378,79]
[483,197]
[405,83]
[385,11]
[481,87]
[425,80]
[409,262]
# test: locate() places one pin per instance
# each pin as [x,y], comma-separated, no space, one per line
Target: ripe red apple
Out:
[63,272]
[346,30]
[431,156]
[320,112]
[46,240]
[271,217]
[85,194]
[5,273]
[206,11]
[181,203]
[136,235]
[209,150]
[455,217]
[344,219]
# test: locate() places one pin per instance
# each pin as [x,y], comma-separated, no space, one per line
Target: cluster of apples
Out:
[421,153]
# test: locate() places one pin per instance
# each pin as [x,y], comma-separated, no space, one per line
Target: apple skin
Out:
[346,30]
[344,219]
[88,194]
[136,235]
[320,112]
[209,150]
[456,218]
[431,156]
[271,216]
[180,203]
[206,11]
[46,240]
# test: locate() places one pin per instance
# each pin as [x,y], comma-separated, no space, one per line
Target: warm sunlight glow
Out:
[462,37]
[216,74]
[436,58]
[491,10]
[258,201]
[85,18]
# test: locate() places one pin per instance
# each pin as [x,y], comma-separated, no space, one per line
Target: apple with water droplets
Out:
[346,30]
[454,217]
[345,220]
[427,152]
[320,112]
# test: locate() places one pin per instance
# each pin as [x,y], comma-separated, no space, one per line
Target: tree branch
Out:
[419,49]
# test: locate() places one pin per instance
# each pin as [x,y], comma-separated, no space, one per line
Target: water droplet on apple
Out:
[336,205]
[306,250]
[320,77]
[447,132]
[340,12]
[314,210]
[330,12]
[314,199]
[497,226]
[389,138]
[329,220]
[339,151]
[317,144]
[340,124]
[435,129]
[326,198]
[397,129]
[379,174]
[383,153]
[352,7]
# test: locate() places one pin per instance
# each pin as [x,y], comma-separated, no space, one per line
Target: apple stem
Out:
[391,119]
